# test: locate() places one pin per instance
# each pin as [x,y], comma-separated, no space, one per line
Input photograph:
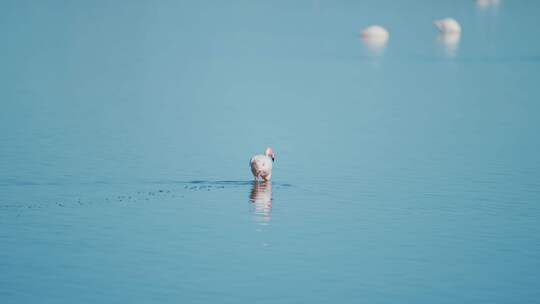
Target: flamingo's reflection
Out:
[450,43]
[375,45]
[261,200]
[483,4]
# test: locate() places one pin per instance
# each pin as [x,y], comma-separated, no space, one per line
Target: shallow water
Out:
[408,173]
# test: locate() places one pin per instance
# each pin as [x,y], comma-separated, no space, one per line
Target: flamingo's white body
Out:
[375,32]
[375,38]
[448,25]
[261,165]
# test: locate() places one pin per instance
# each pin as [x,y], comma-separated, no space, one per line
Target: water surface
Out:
[405,173]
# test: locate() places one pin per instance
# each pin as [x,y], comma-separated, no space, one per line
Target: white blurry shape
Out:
[375,32]
[450,43]
[448,25]
[487,3]
[374,45]
[375,38]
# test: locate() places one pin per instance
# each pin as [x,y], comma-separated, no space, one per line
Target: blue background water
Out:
[409,176]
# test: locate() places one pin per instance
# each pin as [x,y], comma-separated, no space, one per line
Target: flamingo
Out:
[261,165]
[375,32]
[448,25]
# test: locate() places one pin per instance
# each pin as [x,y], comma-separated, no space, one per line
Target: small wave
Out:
[214,183]
[234,183]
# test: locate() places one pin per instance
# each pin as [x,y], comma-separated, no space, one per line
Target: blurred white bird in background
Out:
[448,25]
[375,32]
[375,38]
[261,165]
[450,34]
[487,3]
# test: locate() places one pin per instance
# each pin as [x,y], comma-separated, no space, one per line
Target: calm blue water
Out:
[407,174]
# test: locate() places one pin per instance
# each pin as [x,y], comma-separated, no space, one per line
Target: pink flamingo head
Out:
[270,153]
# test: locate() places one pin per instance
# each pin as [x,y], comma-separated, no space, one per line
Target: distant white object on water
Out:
[487,3]
[375,38]
[261,165]
[449,36]
[448,25]
[450,43]
[449,39]
[375,32]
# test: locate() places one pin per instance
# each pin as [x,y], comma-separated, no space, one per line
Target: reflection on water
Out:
[450,43]
[375,45]
[261,201]
[484,4]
